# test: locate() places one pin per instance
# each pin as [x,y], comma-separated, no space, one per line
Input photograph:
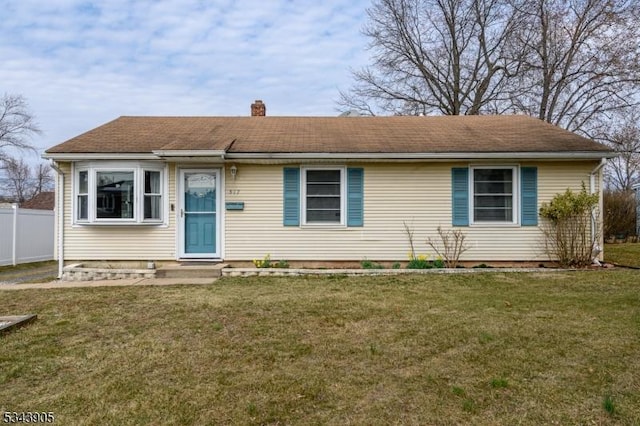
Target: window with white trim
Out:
[494,194]
[107,193]
[323,196]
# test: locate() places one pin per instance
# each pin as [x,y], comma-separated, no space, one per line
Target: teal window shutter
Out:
[355,197]
[291,196]
[460,196]
[529,196]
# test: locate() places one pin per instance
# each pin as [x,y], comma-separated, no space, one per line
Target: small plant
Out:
[396,265]
[608,405]
[373,349]
[368,264]
[485,338]
[266,262]
[469,405]
[281,264]
[420,261]
[252,409]
[263,263]
[450,247]
[438,263]
[499,383]
[458,391]
[481,266]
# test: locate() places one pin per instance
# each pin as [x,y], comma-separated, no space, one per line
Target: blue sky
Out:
[81,63]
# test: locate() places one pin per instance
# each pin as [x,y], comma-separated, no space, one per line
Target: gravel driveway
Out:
[29,274]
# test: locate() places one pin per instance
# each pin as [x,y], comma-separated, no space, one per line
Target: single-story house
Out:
[313,188]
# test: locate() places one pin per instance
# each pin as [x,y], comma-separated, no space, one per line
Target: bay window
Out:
[123,193]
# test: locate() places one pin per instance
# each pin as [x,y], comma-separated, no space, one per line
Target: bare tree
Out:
[581,60]
[17,124]
[22,181]
[568,62]
[624,171]
[442,56]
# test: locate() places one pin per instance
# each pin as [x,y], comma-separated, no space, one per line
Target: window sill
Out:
[319,226]
[495,225]
[82,224]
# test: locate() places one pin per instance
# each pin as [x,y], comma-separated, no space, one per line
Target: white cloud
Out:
[83,63]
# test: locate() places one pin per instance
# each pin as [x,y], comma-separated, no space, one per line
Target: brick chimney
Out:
[258,109]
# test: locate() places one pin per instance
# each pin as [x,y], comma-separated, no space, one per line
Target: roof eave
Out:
[80,156]
[577,155]
[380,156]
[189,153]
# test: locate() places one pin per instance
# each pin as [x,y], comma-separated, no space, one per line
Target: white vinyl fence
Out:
[25,235]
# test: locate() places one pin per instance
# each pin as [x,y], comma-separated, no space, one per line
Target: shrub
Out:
[567,231]
[619,213]
[450,247]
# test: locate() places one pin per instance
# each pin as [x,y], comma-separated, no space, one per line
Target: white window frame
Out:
[515,203]
[343,196]
[138,169]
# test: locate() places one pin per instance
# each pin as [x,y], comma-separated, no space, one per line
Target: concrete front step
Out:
[191,270]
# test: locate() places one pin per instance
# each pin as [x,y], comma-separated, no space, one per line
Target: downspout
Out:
[592,189]
[60,214]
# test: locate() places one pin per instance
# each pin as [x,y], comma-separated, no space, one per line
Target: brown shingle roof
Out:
[41,201]
[329,135]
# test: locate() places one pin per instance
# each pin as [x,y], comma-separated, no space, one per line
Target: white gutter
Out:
[60,216]
[99,156]
[594,224]
[160,154]
[189,153]
[592,175]
[420,155]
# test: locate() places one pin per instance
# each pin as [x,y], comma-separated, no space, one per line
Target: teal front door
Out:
[199,213]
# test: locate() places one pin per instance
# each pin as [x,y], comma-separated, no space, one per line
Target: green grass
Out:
[627,254]
[442,349]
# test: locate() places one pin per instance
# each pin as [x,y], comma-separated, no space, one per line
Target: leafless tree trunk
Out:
[17,124]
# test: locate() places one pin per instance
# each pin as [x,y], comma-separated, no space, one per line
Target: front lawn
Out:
[552,348]
[627,254]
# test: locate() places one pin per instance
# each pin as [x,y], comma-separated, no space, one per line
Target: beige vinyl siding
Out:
[416,193]
[107,242]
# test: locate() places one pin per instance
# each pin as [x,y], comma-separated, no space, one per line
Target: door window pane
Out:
[200,192]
